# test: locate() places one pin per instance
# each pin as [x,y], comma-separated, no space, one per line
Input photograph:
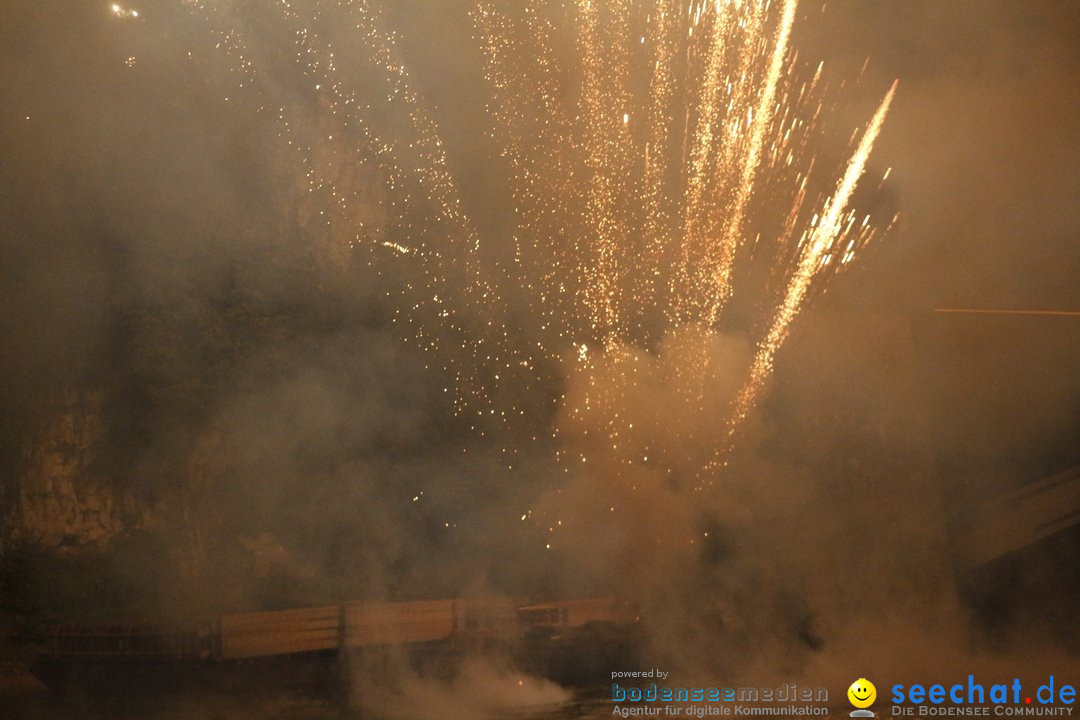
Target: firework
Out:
[648,142]
[683,114]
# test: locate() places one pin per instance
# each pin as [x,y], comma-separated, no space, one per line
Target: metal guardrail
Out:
[144,641]
[331,627]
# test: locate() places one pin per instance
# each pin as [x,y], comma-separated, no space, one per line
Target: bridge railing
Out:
[332,627]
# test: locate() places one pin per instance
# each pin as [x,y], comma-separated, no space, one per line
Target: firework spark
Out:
[123,12]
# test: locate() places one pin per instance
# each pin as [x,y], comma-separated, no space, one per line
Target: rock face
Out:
[57,502]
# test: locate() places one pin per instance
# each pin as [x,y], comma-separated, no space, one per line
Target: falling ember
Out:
[122,12]
[397,247]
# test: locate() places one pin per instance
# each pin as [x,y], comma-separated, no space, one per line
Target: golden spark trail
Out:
[701,168]
[822,238]
[434,168]
[744,188]
[658,210]
[719,253]
[533,131]
[606,109]
[434,229]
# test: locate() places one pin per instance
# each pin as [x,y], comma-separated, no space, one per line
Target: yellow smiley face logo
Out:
[862,693]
